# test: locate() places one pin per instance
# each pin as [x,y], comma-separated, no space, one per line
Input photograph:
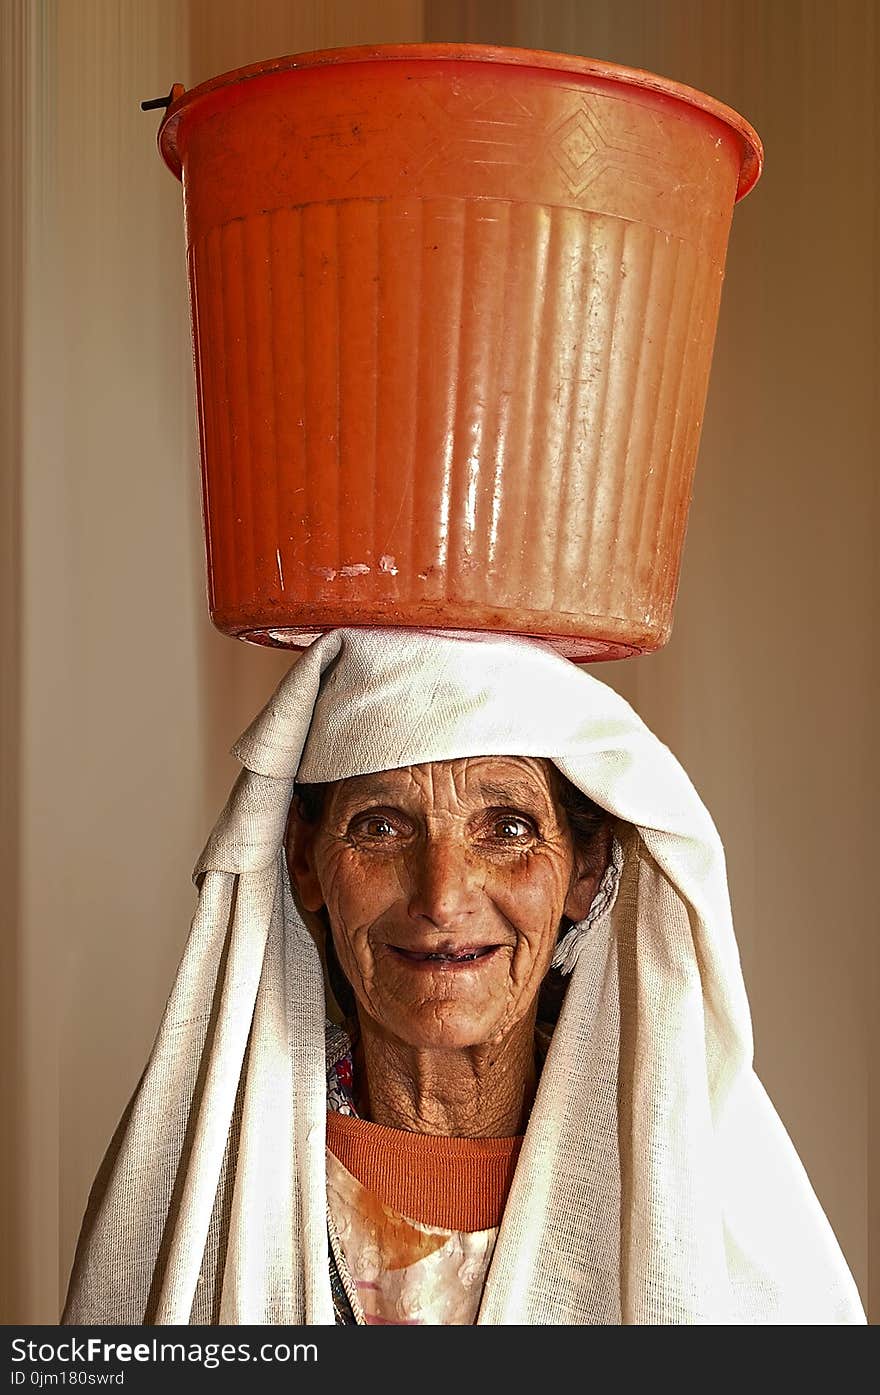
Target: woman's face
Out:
[445,884]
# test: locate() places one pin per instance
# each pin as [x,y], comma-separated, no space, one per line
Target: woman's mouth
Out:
[446,958]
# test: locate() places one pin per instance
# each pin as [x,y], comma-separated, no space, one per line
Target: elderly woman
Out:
[444,887]
[460,1033]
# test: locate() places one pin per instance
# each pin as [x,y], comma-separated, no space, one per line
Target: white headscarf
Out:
[656,1184]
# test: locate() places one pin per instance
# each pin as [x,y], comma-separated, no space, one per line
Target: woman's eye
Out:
[512,829]
[379,828]
[375,826]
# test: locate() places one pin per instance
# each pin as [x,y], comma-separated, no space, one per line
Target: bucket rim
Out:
[752,150]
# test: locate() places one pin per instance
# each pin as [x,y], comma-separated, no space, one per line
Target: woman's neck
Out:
[476,1092]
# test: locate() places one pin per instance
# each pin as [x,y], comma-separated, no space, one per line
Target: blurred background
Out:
[120,702]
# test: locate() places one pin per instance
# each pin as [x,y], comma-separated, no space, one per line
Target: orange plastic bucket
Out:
[453,314]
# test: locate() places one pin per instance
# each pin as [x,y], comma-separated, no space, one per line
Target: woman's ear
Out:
[300,852]
[586,877]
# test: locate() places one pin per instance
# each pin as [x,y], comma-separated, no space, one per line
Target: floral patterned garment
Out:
[404,1273]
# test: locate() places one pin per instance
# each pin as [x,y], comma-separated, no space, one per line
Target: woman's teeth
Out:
[446,958]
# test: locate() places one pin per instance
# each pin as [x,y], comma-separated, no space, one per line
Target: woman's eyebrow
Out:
[511,792]
[503,792]
[374,790]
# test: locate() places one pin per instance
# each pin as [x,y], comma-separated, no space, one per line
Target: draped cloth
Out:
[656,1183]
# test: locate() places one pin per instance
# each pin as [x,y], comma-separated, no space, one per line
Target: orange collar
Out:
[451,1183]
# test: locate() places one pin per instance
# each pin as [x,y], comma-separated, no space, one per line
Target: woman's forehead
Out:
[496,779]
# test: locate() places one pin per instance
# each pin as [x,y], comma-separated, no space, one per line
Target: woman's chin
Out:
[441,1027]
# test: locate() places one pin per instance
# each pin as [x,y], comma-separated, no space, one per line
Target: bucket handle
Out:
[154,103]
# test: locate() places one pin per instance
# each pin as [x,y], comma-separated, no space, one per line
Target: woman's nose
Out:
[445,883]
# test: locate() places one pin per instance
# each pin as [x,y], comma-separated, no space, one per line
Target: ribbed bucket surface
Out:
[453,315]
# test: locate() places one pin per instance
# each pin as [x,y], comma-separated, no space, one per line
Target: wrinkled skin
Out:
[456,858]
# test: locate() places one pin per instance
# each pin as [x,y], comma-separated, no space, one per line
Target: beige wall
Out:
[12,228]
[120,702]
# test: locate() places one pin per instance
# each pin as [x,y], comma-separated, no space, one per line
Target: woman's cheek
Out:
[356,897]
[537,890]
[369,891]
[535,907]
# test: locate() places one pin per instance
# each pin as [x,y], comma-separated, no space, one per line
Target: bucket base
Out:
[578,650]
